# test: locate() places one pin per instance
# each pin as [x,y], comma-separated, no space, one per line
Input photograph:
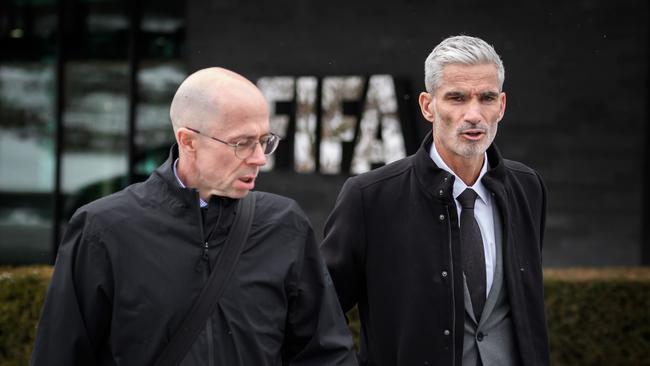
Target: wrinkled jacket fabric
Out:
[131,265]
[392,247]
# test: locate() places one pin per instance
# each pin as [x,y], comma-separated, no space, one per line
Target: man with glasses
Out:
[442,250]
[132,264]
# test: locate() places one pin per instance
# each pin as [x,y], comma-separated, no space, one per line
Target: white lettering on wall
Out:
[381,139]
[376,138]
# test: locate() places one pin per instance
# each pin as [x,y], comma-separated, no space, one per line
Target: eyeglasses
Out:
[246,147]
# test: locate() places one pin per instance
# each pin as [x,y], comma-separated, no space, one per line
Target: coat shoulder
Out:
[386,173]
[522,172]
[276,209]
[111,209]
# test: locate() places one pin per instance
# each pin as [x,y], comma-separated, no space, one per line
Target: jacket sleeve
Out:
[75,318]
[316,332]
[344,246]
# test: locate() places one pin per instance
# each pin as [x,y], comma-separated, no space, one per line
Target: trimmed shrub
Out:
[22,291]
[595,316]
[598,316]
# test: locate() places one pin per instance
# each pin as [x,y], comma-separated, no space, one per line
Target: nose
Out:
[473,114]
[257,157]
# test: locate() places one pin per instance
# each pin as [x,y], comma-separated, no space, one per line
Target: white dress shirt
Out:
[483,212]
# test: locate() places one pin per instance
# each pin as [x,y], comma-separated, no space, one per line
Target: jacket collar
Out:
[439,183]
[178,196]
[184,197]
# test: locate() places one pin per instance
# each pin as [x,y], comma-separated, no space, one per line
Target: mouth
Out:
[246,182]
[473,134]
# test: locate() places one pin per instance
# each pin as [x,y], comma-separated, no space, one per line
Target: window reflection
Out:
[95,123]
[157,82]
[95,113]
[26,130]
[161,70]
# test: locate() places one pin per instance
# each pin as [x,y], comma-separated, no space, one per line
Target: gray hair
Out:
[464,50]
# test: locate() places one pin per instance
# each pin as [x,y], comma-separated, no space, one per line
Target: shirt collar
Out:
[459,185]
[202,203]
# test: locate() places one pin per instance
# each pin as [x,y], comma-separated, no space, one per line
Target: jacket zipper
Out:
[453,295]
[206,259]
[208,323]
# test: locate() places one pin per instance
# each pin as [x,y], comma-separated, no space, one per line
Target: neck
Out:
[466,168]
[188,176]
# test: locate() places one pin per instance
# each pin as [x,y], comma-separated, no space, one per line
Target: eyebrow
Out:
[452,94]
[247,136]
[492,94]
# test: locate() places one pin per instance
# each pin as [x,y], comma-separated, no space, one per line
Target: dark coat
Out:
[392,247]
[131,265]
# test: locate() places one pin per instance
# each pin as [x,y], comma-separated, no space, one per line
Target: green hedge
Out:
[595,316]
[598,317]
[22,291]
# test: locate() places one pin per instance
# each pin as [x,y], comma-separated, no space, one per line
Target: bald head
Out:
[209,94]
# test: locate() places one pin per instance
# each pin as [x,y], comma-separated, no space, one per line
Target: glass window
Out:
[161,71]
[27,126]
[94,159]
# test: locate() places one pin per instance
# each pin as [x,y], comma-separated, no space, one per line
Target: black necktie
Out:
[472,248]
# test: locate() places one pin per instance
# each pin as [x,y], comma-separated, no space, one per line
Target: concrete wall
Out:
[576,79]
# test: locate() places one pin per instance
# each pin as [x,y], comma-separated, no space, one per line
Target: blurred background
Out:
[85,88]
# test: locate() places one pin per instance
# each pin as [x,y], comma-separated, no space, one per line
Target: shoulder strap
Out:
[207,301]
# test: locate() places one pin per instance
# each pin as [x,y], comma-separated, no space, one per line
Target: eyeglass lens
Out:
[246,148]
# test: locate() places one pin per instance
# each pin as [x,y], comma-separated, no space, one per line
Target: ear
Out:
[426,106]
[185,139]
[502,110]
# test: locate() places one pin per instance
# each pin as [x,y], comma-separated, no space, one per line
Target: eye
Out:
[456,97]
[245,143]
[489,97]
[265,140]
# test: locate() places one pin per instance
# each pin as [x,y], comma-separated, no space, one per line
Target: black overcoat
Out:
[392,247]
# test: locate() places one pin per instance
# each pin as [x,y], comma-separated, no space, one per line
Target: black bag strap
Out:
[206,303]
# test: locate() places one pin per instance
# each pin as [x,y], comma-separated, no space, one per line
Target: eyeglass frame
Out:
[236,146]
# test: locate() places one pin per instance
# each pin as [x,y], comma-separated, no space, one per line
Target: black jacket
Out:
[392,247]
[131,265]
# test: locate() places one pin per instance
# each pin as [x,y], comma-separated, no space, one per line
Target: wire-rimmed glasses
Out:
[244,148]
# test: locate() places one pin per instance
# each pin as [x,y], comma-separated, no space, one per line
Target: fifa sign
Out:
[335,124]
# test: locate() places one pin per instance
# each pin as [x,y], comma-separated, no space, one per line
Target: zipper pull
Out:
[205,252]
[200,264]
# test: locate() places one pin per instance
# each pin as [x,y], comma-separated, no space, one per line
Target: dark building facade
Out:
[342,79]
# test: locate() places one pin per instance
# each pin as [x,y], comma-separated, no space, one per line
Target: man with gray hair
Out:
[164,273]
[441,251]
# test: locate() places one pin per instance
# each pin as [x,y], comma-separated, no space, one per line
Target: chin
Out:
[472,150]
[238,194]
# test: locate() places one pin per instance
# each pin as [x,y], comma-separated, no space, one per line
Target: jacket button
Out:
[479,336]
[447,332]
[441,217]
[444,273]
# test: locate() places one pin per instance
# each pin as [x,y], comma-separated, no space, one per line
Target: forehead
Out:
[461,77]
[242,117]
